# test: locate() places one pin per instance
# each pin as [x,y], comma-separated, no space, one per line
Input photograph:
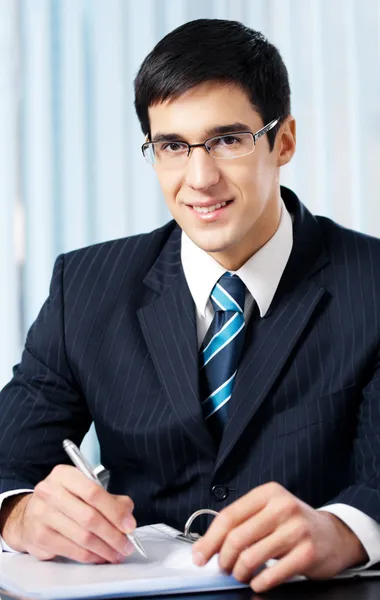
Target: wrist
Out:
[11,520]
[354,553]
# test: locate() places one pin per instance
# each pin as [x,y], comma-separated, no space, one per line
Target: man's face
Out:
[249,185]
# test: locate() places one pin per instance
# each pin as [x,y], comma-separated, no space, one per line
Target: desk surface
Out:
[363,589]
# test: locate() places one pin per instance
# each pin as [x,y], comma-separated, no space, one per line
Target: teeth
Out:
[205,209]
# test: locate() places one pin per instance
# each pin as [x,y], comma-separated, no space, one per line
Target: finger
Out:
[49,542]
[274,545]
[232,516]
[84,538]
[293,563]
[117,509]
[87,517]
[245,535]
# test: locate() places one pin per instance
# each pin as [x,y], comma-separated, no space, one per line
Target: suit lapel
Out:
[168,325]
[270,340]
[169,328]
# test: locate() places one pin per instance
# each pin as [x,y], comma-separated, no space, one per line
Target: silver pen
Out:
[84,467]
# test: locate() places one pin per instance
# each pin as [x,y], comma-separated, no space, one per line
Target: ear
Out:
[286,141]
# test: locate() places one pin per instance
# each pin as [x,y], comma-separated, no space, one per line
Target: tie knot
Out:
[228,294]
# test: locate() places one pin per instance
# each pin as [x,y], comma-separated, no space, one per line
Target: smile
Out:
[208,209]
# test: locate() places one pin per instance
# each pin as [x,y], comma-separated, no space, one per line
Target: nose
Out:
[202,171]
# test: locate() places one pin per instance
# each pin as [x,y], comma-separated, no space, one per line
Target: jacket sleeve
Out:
[42,404]
[364,493]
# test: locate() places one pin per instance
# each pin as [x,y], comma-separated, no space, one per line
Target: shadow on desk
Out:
[359,589]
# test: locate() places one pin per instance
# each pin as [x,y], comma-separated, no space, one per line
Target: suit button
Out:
[220,492]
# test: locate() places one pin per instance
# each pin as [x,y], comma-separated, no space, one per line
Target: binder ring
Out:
[203,511]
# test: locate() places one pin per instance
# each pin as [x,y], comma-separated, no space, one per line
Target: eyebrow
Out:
[213,131]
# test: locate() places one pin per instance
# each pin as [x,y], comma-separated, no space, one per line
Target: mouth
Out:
[210,213]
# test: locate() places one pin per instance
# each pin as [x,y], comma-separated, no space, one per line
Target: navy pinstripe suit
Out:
[116,343]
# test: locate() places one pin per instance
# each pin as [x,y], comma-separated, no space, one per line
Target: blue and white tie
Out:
[221,350]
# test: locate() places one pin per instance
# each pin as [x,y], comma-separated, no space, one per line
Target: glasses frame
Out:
[255,137]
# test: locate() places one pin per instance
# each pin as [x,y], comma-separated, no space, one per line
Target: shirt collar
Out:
[261,273]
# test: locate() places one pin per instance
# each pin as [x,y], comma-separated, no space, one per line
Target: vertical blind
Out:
[71,170]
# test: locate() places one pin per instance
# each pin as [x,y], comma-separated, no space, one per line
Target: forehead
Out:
[201,108]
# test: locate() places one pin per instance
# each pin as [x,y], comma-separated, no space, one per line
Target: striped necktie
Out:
[220,352]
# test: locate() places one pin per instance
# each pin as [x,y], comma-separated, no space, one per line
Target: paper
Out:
[168,569]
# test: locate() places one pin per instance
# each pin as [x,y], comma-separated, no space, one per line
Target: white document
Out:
[169,569]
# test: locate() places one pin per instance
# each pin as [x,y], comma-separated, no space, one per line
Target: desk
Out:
[359,589]
[364,589]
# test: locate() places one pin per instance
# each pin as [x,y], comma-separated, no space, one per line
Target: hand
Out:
[269,522]
[69,515]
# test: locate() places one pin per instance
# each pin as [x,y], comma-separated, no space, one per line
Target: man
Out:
[229,359]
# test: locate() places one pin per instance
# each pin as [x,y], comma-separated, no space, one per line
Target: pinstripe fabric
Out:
[116,343]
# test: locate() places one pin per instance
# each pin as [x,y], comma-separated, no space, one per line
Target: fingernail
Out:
[199,559]
[129,548]
[129,524]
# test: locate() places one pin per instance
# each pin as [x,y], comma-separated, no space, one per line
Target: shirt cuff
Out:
[366,529]
[3,545]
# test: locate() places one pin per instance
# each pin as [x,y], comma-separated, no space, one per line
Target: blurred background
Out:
[71,169]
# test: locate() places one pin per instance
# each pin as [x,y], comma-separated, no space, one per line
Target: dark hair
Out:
[214,50]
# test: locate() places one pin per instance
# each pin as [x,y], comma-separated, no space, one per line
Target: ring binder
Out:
[187,536]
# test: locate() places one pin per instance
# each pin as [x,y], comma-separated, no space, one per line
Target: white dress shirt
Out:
[261,274]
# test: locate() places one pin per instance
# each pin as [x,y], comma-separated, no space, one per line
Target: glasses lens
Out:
[170,152]
[166,153]
[231,146]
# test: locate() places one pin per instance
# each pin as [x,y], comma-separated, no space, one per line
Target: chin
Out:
[213,247]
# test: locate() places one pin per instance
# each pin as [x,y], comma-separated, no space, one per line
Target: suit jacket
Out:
[115,343]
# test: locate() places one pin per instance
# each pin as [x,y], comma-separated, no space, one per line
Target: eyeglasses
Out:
[227,146]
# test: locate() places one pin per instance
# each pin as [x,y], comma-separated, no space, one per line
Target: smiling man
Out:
[229,360]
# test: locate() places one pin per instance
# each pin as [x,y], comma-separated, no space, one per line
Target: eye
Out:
[173,147]
[229,140]
[224,141]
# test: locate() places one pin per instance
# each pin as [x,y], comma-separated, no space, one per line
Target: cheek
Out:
[255,181]
[170,186]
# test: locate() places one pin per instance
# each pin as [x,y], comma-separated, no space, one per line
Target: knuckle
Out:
[293,507]
[87,539]
[234,540]
[42,489]
[126,503]
[309,552]
[57,472]
[89,518]
[275,488]
[289,506]
[302,529]
[285,506]
[93,493]
[225,517]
